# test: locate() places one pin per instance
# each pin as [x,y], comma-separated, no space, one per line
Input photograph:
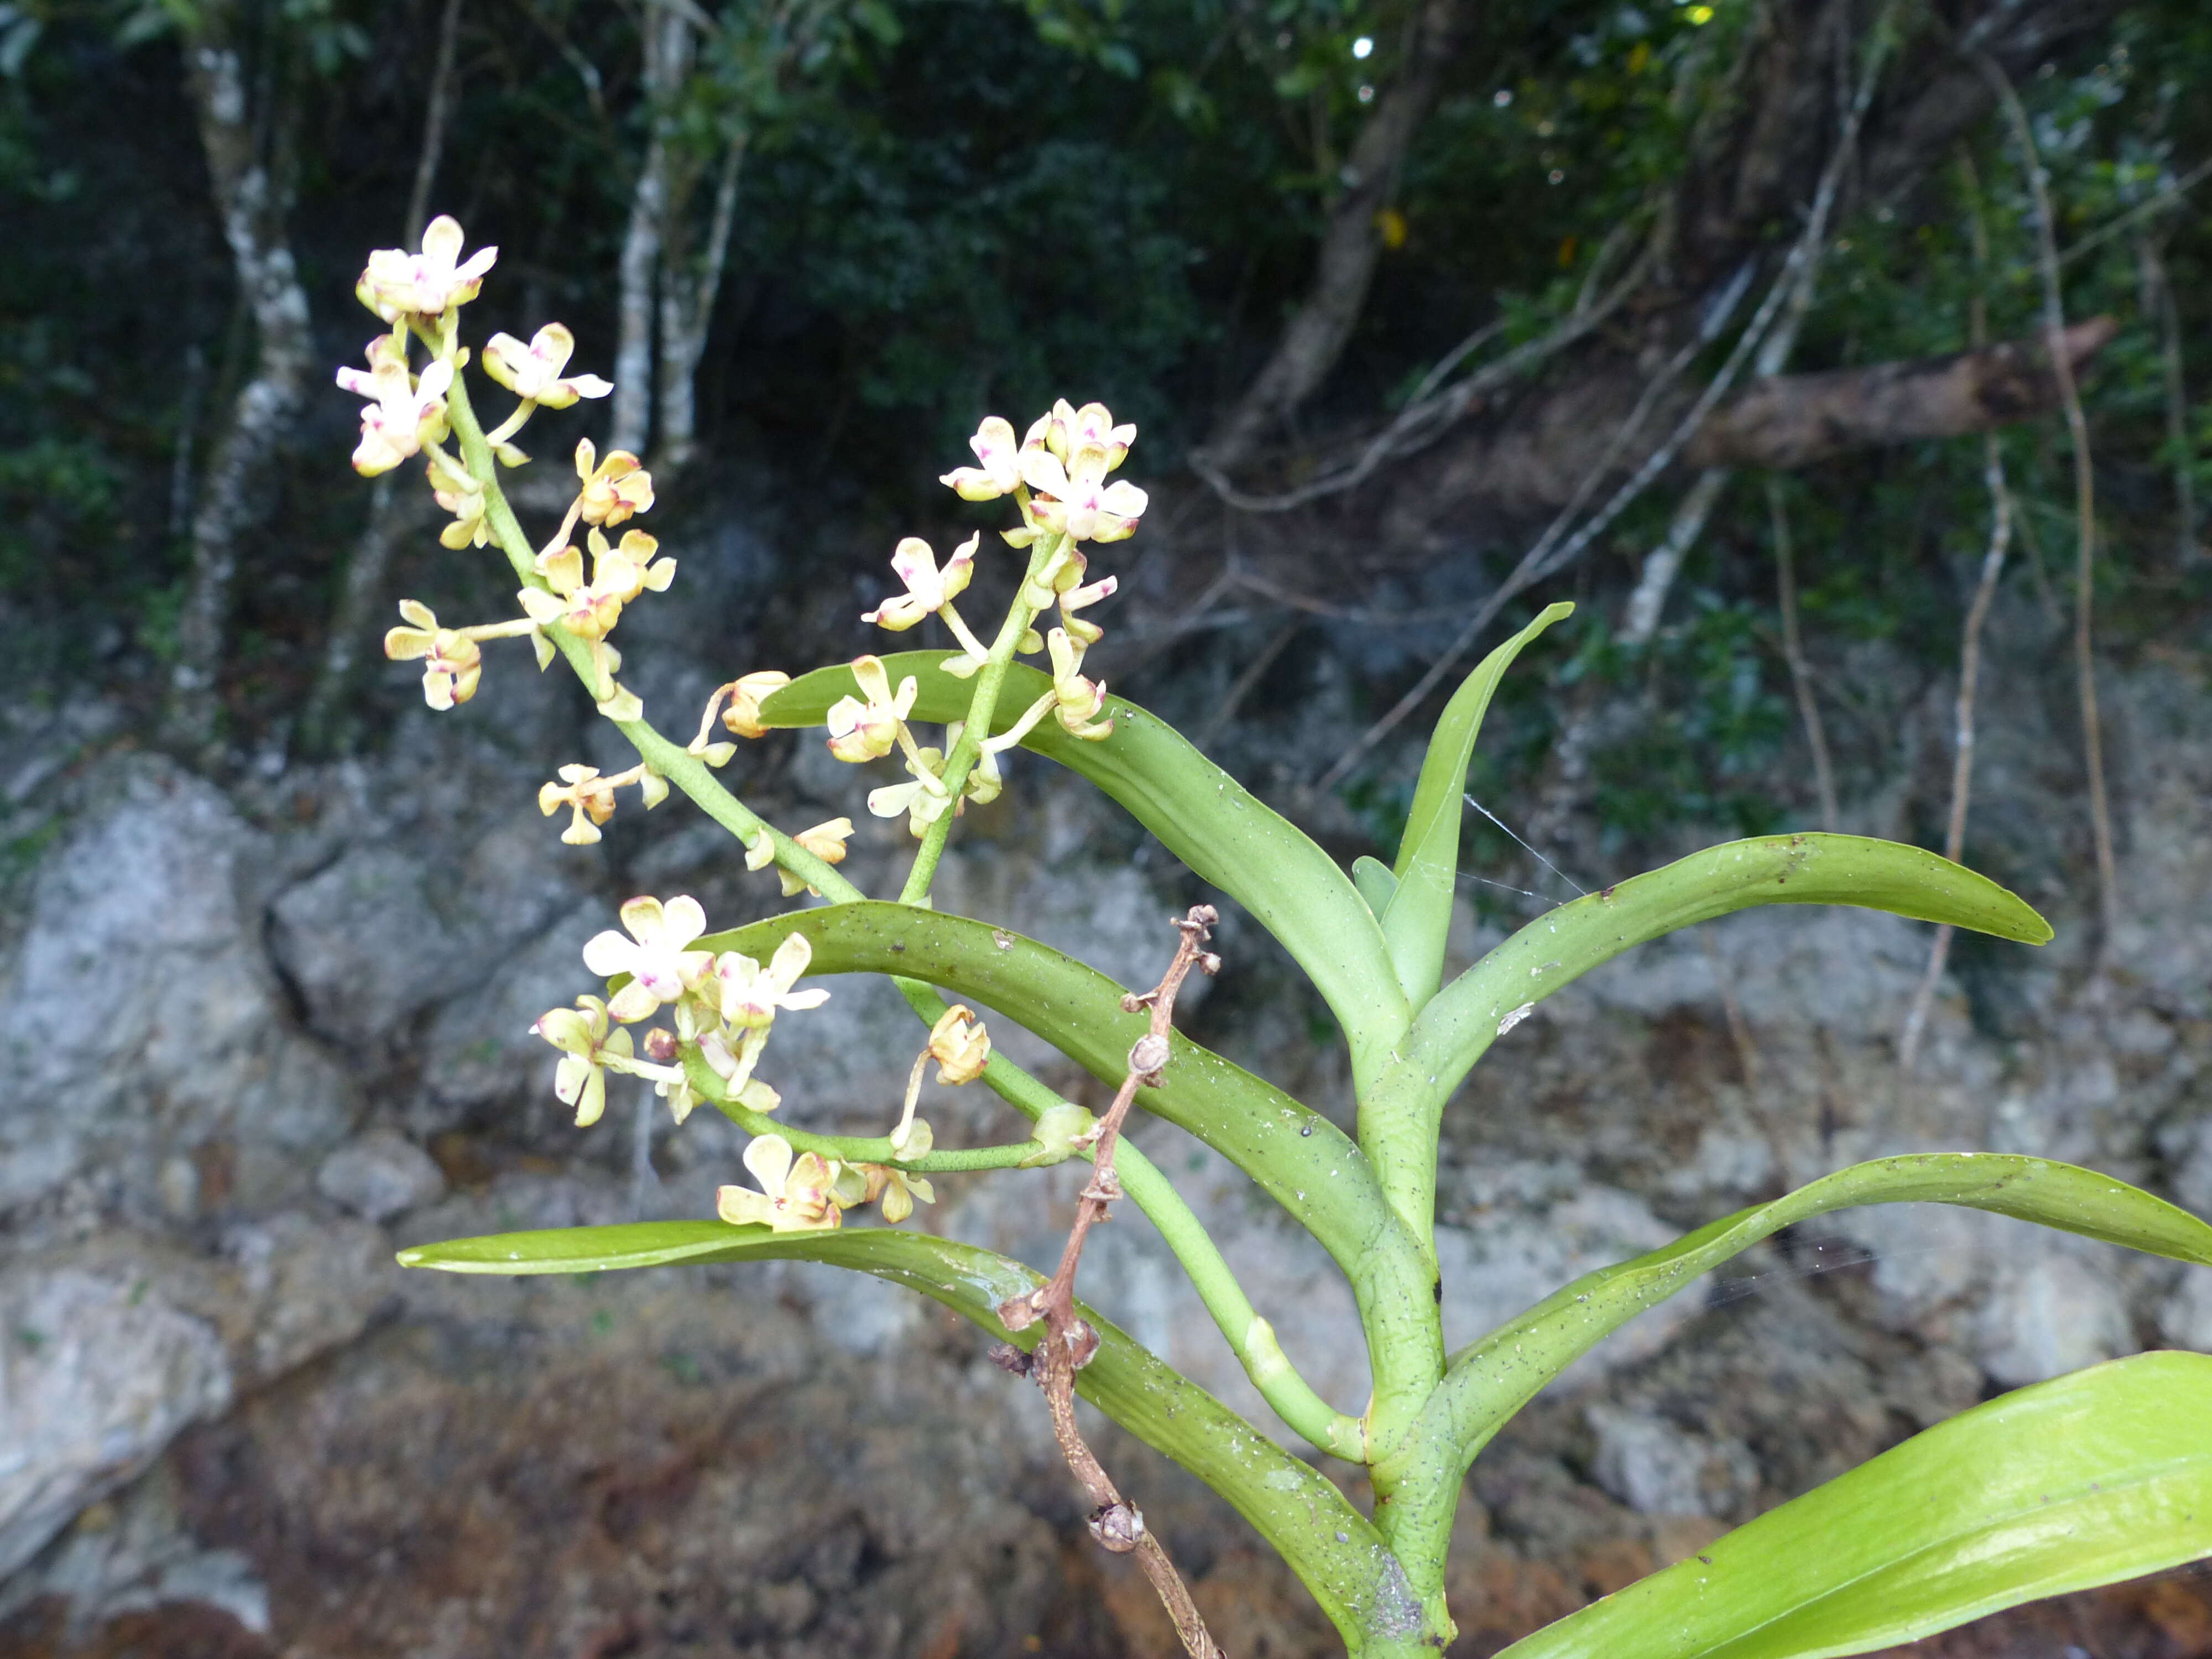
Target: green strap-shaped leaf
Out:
[1200,813]
[1427,867]
[2093,1478]
[1491,1379]
[1304,1162]
[1331,1546]
[1552,950]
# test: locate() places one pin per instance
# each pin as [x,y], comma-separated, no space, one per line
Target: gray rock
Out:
[97,1375]
[144,1020]
[308,1287]
[2048,1314]
[134,1552]
[2184,1317]
[380,1176]
[364,945]
[1657,1469]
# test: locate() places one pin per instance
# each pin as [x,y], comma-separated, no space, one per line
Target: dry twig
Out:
[1069,1341]
[2085,501]
[1970,665]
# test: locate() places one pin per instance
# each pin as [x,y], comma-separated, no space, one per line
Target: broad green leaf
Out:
[1307,1164]
[1332,1547]
[1492,1378]
[1552,950]
[1200,814]
[1427,867]
[1375,882]
[2088,1480]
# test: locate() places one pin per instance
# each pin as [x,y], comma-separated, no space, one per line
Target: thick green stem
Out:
[989,680]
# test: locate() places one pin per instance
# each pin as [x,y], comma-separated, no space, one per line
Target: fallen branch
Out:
[1069,1341]
[1795,421]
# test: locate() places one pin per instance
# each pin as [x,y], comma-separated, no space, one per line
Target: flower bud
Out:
[746,694]
[960,1045]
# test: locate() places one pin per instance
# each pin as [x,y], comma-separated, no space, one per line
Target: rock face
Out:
[99,1378]
[258,1042]
[149,1051]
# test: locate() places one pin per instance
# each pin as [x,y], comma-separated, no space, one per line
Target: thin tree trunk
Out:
[1970,642]
[327,725]
[2085,503]
[1314,336]
[250,193]
[687,310]
[1650,598]
[668,46]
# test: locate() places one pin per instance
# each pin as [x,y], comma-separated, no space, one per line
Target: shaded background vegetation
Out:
[947,206]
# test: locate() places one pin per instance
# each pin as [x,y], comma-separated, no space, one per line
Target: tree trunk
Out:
[250,190]
[687,309]
[1315,335]
[668,51]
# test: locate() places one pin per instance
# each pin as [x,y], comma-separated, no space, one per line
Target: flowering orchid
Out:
[1066,430]
[1074,595]
[661,970]
[825,841]
[587,1048]
[1000,473]
[591,798]
[1076,500]
[750,996]
[532,372]
[619,574]
[398,284]
[868,731]
[451,664]
[1078,700]
[463,497]
[584,609]
[960,1045]
[404,412]
[734,1064]
[893,1191]
[628,567]
[797,1196]
[746,694]
[928,589]
[614,488]
[924,801]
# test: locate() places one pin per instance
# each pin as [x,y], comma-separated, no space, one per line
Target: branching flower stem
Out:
[1069,1341]
[990,679]
[1249,1336]
[670,759]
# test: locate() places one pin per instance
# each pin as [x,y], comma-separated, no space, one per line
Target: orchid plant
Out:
[2085,1480]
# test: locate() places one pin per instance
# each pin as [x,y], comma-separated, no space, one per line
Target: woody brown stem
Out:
[1069,1340]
